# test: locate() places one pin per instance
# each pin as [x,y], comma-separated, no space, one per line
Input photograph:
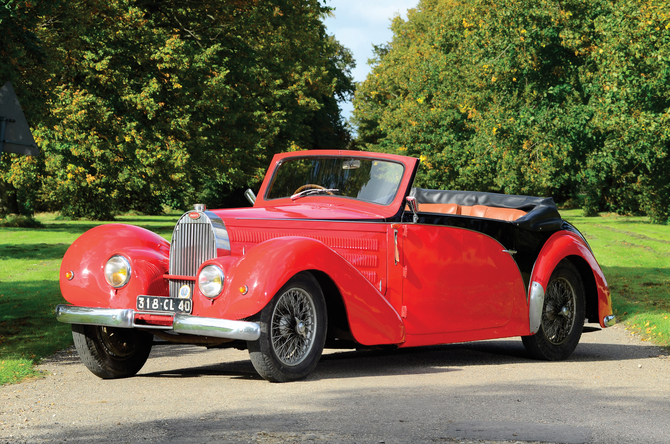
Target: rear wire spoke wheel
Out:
[293,331]
[111,353]
[562,316]
[559,311]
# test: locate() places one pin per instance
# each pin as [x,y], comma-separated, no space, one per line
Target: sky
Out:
[358,24]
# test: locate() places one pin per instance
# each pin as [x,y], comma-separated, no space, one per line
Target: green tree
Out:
[528,97]
[180,101]
[23,64]
[328,129]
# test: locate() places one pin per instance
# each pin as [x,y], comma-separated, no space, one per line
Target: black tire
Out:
[562,316]
[111,353]
[293,331]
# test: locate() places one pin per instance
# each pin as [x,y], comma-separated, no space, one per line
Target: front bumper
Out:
[184,324]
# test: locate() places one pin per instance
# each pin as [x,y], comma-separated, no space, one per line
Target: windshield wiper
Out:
[314,191]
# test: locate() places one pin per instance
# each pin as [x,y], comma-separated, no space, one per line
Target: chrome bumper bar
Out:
[184,324]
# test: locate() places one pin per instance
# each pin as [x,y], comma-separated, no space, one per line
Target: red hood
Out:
[305,211]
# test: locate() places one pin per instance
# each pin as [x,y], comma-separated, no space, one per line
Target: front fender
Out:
[264,269]
[147,252]
[565,244]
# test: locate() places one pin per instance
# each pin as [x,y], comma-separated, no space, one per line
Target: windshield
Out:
[363,178]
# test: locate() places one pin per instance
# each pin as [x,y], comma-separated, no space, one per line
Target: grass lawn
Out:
[634,254]
[29,264]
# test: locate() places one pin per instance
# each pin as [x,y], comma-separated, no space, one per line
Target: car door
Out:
[456,279]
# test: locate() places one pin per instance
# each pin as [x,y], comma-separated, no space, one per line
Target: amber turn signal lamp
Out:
[244,289]
[69,275]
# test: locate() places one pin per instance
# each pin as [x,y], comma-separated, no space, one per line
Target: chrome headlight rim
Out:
[118,266]
[211,280]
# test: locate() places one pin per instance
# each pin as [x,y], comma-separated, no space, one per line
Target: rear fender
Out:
[566,244]
[264,269]
[147,252]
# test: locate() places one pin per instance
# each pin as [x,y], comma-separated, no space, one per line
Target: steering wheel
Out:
[310,186]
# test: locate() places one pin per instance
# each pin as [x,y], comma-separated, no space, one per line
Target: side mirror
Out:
[411,202]
[251,197]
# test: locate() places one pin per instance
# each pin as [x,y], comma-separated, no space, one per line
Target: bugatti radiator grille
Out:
[193,242]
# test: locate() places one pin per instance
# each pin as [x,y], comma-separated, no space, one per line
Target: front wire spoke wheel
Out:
[110,352]
[116,342]
[293,327]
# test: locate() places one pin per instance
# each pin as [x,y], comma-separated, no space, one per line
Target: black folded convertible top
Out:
[542,214]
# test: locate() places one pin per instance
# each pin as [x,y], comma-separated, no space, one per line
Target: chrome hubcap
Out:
[293,326]
[300,328]
[559,311]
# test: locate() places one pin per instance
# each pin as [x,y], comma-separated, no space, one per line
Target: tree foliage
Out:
[170,102]
[529,97]
[22,63]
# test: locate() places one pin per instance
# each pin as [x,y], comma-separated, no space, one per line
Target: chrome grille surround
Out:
[194,241]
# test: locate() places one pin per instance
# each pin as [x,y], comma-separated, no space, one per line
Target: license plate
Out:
[170,305]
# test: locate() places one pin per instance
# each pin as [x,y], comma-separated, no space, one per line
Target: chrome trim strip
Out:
[610,320]
[220,232]
[218,328]
[411,202]
[535,307]
[184,324]
[109,317]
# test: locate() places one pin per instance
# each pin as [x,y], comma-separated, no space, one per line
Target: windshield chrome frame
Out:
[343,157]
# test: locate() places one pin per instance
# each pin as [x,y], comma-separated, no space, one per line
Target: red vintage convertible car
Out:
[338,251]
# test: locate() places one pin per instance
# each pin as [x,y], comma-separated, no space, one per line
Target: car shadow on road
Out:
[336,364]
[235,368]
[455,357]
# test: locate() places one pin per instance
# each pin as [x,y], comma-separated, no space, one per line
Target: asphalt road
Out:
[614,389]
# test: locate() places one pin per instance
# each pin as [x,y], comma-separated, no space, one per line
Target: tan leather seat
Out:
[508,214]
[475,211]
[440,208]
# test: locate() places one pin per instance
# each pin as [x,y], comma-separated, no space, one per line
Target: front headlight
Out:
[210,281]
[117,271]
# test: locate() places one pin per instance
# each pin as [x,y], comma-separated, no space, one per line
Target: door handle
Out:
[396,255]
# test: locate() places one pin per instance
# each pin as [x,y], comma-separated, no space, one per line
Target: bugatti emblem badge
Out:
[184,292]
